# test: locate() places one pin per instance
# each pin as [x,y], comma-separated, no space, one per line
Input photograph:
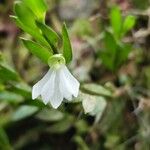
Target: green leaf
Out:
[67,49]
[106,60]
[25,15]
[36,49]
[10,97]
[7,73]
[23,112]
[129,23]
[123,52]
[116,21]
[21,88]
[36,35]
[96,89]
[49,33]
[108,55]
[38,7]
[50,115]
[115,52]
[110,42]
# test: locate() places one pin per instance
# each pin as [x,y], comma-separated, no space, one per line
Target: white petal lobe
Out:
[49,88]
[73,81]
[65,86]
[36,90]
[57,97]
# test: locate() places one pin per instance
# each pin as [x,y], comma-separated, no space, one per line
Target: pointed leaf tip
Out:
[67,49]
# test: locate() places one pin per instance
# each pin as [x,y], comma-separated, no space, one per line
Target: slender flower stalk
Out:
[57,84]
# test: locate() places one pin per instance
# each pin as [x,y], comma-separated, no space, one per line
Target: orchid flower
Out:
[57,84]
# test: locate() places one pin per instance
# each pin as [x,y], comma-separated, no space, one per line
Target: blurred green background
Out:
[111,60]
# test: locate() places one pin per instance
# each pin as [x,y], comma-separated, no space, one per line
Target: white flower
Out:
[57,84]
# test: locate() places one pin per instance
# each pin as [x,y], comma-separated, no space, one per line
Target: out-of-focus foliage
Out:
[116,51]
[111,58]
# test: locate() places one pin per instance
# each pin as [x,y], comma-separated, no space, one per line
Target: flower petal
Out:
[49,88]
[36,90]
[57,97]
[72,81]
[56,100]
[64,86]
